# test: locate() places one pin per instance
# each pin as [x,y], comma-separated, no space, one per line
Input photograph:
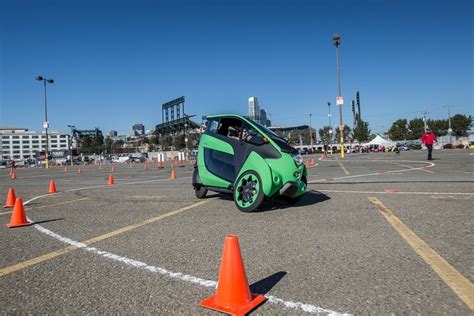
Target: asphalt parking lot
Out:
[376,234]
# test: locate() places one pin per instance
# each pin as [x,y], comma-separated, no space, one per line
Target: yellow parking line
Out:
[463,288]
[65,250]
[344,168]
[54,204]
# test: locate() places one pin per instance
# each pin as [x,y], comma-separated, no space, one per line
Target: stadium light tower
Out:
[46,123]
[336,39]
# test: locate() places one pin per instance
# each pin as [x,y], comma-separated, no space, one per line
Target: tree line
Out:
[361,133]
[402,129]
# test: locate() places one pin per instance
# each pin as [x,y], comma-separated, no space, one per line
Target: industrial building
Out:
[20,144]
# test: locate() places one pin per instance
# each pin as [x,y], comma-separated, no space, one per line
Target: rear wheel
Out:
[248,193]
[200,192]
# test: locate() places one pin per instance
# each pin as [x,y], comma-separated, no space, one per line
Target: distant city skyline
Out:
[115,63]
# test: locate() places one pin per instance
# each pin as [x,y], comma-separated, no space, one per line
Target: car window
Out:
[212,125]
[251,136]
[230,127]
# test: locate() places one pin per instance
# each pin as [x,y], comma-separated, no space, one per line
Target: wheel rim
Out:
[247,191]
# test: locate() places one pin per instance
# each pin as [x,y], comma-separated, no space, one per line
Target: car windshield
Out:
[269,132]
[281,142]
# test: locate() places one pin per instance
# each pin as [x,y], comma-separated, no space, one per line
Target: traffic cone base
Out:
[210,302]
[10,202]
[18,218]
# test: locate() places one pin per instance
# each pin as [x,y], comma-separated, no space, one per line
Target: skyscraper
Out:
[254,109]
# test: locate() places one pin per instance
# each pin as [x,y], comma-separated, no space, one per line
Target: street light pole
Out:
[70,141]
[46,123]
[330,127]
[424,120]
[450,130]
[310,133]
[336,38]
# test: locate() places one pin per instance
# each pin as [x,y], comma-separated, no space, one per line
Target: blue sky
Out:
[115,62]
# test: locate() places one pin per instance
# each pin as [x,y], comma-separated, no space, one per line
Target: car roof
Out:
[225,115]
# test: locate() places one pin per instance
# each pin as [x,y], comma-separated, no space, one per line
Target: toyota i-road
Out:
[239,156]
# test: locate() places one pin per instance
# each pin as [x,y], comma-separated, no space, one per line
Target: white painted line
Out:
[308,308]
[344,168]
[407,193]
[374,174]
[124,183]
[402,165]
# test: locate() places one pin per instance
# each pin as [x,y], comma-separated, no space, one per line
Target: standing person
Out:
[427,139]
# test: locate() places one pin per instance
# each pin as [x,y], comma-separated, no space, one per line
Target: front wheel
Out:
[248,194]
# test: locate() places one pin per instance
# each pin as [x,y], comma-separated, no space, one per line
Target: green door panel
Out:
[214,143]
[206,177]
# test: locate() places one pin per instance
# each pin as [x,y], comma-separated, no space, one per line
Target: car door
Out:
[218,150]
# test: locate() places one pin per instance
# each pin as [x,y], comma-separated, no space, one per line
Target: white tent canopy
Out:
[380,141]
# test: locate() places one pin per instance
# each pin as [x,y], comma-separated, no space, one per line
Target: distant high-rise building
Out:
[112,133]
[263,117]
[138,129]
[254,109]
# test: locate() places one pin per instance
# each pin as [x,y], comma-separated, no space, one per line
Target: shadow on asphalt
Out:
[265,285]
[310,198]
[47,221]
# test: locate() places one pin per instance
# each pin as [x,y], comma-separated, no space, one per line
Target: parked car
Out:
[239,156]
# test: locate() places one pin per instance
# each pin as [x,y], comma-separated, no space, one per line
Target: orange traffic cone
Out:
[111,180]
[173,174]
[233,293]
[312,162]
[52,187]
[113,168]
[79,170]
[10,202]
[306,163]
[65,169]
[18,216]
[13,175]
[322,157]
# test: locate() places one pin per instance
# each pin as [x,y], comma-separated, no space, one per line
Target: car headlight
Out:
[297,158]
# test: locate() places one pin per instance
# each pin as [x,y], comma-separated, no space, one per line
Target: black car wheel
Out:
[248,193]
[200,192]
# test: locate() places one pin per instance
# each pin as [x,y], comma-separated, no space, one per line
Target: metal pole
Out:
[185,137]
[330,127]
[310,133]
[46,124]
[450,131]
[424,120]
[341,126]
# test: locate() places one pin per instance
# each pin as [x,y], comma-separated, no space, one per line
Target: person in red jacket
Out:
[427,139]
